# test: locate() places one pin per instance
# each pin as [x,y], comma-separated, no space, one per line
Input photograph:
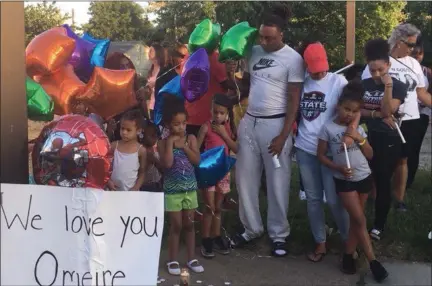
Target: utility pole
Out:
[73,18]
[13,104]
[350,31]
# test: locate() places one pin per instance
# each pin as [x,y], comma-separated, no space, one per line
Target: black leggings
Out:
[418,133]
[386,153]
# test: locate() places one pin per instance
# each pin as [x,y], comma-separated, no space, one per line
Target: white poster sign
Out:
[64,236]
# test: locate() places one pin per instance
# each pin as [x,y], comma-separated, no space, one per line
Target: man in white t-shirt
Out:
[276,73]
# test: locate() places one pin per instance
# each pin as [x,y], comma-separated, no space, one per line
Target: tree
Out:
[322,21]
[118,21]
[41,17]
[420,14]
[179,18]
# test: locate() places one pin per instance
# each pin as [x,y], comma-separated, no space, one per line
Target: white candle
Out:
[400,133]
[346,156]
[345,68]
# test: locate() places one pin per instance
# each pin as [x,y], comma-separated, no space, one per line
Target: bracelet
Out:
[389,85]
[373,113]
[363,142]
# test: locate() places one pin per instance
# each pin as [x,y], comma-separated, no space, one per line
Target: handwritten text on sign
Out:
[62,236]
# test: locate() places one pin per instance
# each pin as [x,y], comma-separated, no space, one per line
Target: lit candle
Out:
[184,277]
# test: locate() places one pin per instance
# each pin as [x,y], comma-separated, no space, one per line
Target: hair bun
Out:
[355,85]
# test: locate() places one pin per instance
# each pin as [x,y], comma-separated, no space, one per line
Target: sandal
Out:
[316,256]
[173,268]
[279,249]
[195,266]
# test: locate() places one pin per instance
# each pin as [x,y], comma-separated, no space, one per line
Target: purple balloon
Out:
[81,56]
[195,75]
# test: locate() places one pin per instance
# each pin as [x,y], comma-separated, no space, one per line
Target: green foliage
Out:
[179,18]
[420,14]
[314,20]
[41,17]
[118,21]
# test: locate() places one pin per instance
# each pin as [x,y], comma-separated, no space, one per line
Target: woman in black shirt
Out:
[382,98]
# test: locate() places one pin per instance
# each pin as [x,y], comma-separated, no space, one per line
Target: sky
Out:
[81,8]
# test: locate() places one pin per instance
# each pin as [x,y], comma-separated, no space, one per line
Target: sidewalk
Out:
[243,267]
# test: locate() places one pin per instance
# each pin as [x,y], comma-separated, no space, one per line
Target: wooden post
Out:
[350,31]
[13,103]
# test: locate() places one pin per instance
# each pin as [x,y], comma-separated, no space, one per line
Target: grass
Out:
[405,236]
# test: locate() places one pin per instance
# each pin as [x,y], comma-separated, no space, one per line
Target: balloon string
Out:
[238,95]
[168,71]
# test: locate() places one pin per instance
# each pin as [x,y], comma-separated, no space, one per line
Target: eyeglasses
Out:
[409,45]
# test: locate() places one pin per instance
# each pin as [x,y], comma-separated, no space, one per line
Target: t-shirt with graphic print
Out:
[333,133]
[270,74]
[408,71]
[317,106]
[372,101]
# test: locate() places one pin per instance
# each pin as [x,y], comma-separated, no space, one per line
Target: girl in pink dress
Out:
[220,131]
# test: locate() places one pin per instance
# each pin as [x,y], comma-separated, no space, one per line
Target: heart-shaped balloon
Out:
[100,51]
[172,87]
[237,42]
[214,165]
[40,106]
[195,75]
[205,35]
[80,59]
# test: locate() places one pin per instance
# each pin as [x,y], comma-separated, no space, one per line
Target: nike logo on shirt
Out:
[264,63]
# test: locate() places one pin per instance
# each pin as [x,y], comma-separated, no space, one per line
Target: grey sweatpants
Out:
[254,137]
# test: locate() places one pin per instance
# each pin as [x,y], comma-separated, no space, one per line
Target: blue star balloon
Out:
[101,50]
[214,165]
[172,87]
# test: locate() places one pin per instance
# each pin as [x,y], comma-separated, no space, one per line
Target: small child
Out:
[154,169]
[130,160]
[352,184]
[215,133]
[81,108]
[179,154]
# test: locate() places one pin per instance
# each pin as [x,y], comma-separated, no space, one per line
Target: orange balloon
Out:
[48,51]
[110,92]
[63,86]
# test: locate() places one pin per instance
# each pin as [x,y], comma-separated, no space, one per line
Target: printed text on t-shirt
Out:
[312,104]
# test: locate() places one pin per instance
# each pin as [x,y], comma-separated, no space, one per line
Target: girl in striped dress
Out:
[178,155]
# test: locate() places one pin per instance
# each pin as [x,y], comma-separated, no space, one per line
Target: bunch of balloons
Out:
[195,78]
[235,43]
[69,68]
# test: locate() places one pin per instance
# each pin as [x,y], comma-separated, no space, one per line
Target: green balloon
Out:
[205,35]
[237,42]
[40,106]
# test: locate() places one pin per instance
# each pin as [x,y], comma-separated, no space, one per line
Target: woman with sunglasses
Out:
[406,69]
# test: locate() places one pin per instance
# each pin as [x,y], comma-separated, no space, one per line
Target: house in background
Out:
[137,52]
